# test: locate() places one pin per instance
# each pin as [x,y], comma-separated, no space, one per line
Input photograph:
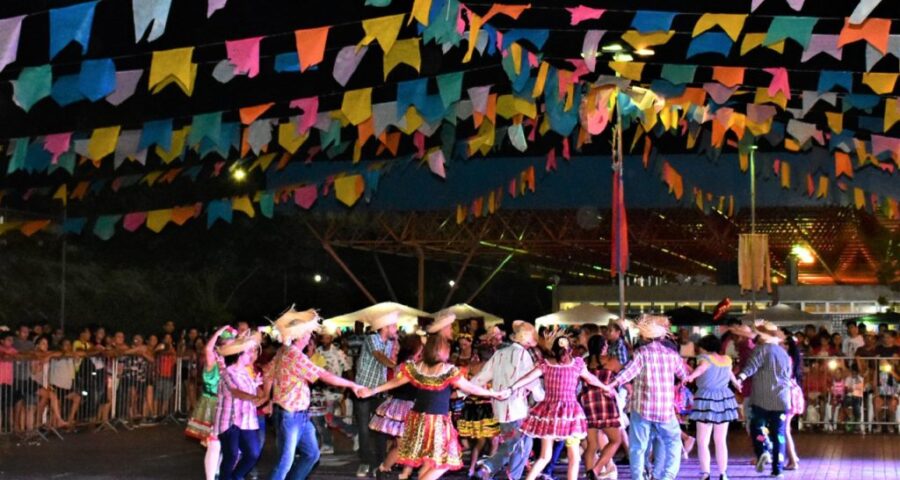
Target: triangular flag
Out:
[244,55]
[33,85]
[880,83]
[382,29]
[147,12]
[214,5]
[875,31]
[349,188]
[61,194]
[157,219]
[71,24]
[345,63]
[57,144]
[797,28]
[134,220]
[250,114]
[243,204]
[306,196]
[168,66]
[102,143]
[582,13]
[30,228]
[357,105]
[732,24]
[404,51]
[310,45]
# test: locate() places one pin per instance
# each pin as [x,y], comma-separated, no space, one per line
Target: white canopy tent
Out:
[578,315]
[409,317]
[785,316]
[464,311]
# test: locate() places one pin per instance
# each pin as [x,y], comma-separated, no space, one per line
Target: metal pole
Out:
[420,255]
[489,278]
[621,165]
[62,281]
[752,229]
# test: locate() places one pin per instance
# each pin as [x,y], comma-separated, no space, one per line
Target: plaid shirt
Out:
[653,369]
[291,373]
[620,350]
[234,411]
[370,372]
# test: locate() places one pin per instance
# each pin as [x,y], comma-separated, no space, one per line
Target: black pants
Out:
[372,445]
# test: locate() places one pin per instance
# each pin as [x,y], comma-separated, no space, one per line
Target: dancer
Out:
[429,441]
[602,411]
[200,425]
[390,416]
[798,402]
[371,371]
[559,416]
[652,403]
[236,424]
[714,404]
[288,376]
[770,399]
[442,325]
[501,371]
[477,421]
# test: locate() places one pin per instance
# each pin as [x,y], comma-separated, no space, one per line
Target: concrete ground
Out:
[162,452]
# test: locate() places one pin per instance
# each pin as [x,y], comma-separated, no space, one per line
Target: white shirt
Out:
[503,369]
[62,373]
[851,344]
[336,361]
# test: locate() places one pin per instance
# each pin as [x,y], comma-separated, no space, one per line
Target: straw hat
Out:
[241,345]
[742,331]
[650,328]
[523,332]
[385,320]
[769,332]
[292,324]
[442,321]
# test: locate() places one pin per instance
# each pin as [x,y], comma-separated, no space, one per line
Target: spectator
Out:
[374,360]
[615,338]
[853,341]
[62,379]
[23,343]
[835,344]
[818,348]
[169,327]
[165,367]
[855,392]
[7,392]
[686,347]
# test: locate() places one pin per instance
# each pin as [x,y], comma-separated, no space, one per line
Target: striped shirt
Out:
[370,372]
[770,367]
[653,369]
[231,410]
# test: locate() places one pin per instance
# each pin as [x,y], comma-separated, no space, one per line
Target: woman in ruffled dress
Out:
[559,416]
[714,404]
[602,411]
[477,421]
[390,416]
[429,440]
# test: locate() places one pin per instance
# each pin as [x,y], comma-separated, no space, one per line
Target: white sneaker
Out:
[356,443]
[327,450]
[362,471]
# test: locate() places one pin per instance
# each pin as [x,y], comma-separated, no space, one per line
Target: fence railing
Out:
[40,397]
[854,394]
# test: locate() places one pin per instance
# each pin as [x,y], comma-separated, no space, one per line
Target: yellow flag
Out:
[891,112]
[157,219]
[880,83]
[762,96]
[288,137]
[509,105]
[383,29]
[412,121]
[103,142]
[61,194]
[515,51]
[349,188]
[835,121]
[732,24]
[859,198]
[151,177]
[420,11]
[822,192]
[753,40]
[179,139]
[541,80]
[243,204]
[169,66]
[640,40]
[629,70]
[785,174]
[357,105]
[475,22]
[404,51]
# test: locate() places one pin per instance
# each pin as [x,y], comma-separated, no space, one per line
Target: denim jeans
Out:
[372,445]
[640,435]
[773,421]
[558,447]
[237,443]
[512,452]
[296,436]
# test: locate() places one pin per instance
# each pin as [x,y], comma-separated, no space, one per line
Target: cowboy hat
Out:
[650,328]
[441,321]
[241,345]
[523,332]
[384,320]
[293,324]
[769,332]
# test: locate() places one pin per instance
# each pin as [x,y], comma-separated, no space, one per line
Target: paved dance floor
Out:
[161,452]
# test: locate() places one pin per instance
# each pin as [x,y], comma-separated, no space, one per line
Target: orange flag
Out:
[250,114]
[842,165]
[311,46]
[875,31]
[30,228]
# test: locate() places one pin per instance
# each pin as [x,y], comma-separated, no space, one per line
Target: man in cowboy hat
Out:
[442,325]
[290,373]
[652,403]
[374,360]
[501,371]
[770,399]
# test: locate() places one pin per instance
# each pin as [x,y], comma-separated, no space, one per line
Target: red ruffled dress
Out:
[559,416]
[428,436]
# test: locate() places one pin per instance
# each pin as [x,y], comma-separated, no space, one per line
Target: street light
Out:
[317,278]
[452,283]
[239,174]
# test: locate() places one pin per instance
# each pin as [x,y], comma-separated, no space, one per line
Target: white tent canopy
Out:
[783,315]
[409,317]
[464,311]
[578,315]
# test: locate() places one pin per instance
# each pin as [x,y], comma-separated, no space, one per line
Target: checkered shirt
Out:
[231,410]
[370,373]
[653,370]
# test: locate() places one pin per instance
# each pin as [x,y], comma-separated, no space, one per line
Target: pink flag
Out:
[57,144]
[436,163]
[582,13]
[134,220]
[306,196]
[244,55]
[310,107]
[779,82]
